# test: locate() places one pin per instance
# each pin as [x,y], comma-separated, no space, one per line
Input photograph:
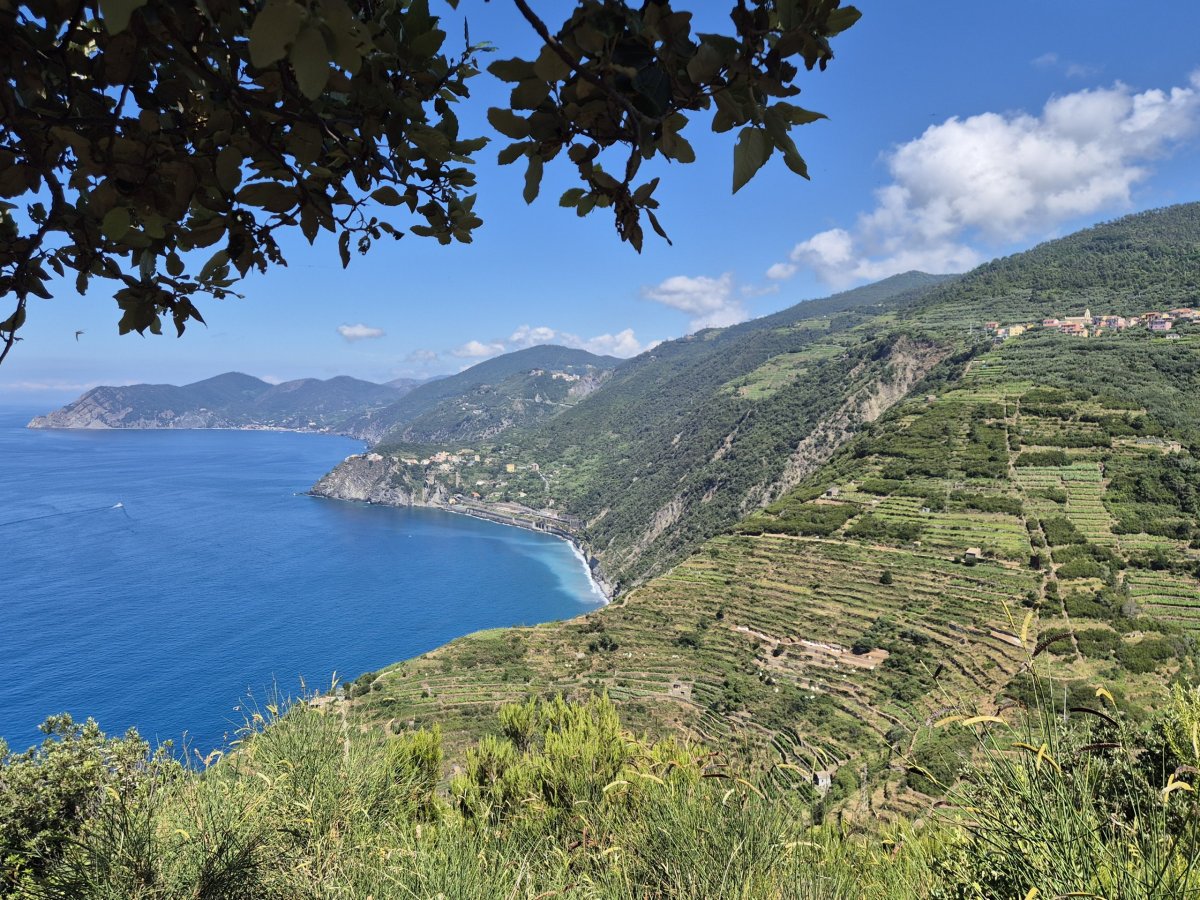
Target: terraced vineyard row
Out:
[695,649]
[886,589]
[1167,596]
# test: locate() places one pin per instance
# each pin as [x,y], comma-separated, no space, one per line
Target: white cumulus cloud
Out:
[530,336]
[359,332]
[623,344]
[478,350]
[984,181]
[711,302]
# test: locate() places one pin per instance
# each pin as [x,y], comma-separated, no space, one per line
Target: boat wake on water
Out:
[73,512]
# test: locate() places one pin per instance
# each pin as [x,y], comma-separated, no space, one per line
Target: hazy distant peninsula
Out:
[232,400]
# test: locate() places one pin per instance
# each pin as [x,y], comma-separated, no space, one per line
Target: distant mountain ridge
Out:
[521,388]
[231,400]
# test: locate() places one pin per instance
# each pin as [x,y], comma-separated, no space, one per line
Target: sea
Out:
[168,581]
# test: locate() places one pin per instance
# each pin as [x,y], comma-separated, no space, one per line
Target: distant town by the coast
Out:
[1089,325]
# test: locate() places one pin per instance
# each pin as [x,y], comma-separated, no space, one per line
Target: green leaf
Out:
[551,67]
[529,93]
[642,195]
[841,19]
[658,227]
[797,115]
[729,111]
[571,197]
[512,153]
[229,169]
[513,70]
[13,322]
[704,66]
[116,13]
[348,34]
[309,222]
[677,147]
[273,29]
[116,222]
[215,263]
[795,161]
[387,195]
[146,265]
[753,149]
[777,129]
[270,195]
[310,58]
[508,123]
[533,178]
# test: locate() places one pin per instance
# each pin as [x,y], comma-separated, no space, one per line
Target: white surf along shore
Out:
[602,592]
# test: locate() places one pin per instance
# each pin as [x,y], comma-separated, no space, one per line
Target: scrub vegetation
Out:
[558,800]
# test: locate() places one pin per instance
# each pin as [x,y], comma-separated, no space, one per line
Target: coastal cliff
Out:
[391,481]
[373,478]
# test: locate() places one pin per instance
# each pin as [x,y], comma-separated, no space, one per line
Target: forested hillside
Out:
[1134,264]
[519,388]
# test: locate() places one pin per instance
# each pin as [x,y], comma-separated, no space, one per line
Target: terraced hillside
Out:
[895,584]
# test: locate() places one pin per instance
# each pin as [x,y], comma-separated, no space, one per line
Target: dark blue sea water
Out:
[214,578]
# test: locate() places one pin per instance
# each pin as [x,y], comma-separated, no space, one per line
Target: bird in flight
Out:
[77,334]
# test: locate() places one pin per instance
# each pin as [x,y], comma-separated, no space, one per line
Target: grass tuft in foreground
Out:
[561,802]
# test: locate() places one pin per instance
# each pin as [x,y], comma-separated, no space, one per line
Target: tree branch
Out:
[561,52]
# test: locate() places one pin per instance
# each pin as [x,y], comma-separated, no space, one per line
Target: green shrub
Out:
[1089,605]
[1147,654]
[1053,494]
[1097,643]
[1060,530]
[937,759]
[880,486]
[1042,458]
[819,519]
[1082,568]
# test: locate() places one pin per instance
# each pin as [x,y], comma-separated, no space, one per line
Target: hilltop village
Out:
[1089,325]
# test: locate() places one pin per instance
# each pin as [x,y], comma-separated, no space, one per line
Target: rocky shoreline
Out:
[376,479]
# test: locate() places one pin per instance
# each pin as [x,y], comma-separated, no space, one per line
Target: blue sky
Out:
[957,132]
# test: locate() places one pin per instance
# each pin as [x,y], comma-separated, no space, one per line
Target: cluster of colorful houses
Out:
[1088,325]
